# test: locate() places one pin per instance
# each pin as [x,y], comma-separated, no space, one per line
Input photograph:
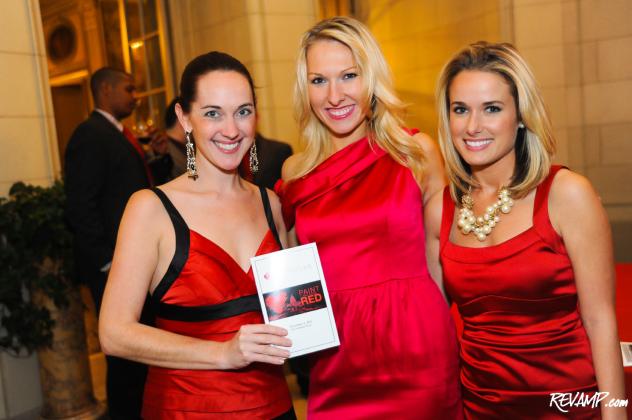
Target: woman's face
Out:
[483,119]
[222,118]
[336,92]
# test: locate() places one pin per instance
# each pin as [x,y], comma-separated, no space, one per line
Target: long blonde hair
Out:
[535,144]
[385,110]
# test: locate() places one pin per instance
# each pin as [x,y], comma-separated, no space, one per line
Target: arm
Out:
[288,168]
[577,214]
[85,176]
[275,203]
[432,188]
[432,226]
[145,239]
[434,175]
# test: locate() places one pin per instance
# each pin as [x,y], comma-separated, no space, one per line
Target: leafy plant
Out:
[35,255]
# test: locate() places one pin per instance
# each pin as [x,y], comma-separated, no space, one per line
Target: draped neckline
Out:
[341,166]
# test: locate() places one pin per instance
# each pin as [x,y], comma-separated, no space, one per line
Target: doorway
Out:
[70,104]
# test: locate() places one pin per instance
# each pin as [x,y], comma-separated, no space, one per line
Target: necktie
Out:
[141,153]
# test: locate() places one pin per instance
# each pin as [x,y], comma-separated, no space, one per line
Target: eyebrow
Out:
[219,107]
[342,71]
[484,103]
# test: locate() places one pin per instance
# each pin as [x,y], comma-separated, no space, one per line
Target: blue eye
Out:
[317,81]
[348,76]
[493,109]
[244,112]
[459,110]
[212,113]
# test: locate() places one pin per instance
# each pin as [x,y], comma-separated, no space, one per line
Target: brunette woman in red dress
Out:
[524,246]
[358,191]
[189,244]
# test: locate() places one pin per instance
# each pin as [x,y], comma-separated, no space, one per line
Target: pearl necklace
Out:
[483,225]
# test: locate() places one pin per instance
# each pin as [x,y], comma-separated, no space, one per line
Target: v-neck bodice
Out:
[207,295]
[211,275]
[202,276]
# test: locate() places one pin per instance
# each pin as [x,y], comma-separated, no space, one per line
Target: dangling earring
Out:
[253,160]
[191,167]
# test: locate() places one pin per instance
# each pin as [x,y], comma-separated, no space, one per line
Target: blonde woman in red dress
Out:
[525,249]
[358,191]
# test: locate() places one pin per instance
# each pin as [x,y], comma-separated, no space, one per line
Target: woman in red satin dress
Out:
[525,250]
[358,191]
[189,244]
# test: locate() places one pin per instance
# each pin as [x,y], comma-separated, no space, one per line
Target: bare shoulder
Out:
[570,190]
[431,151]
[290,164]
[144,207]
[573,199]
[428,145]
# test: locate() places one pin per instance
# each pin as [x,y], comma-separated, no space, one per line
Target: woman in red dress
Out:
[524,246]
[189,244]
[358,191]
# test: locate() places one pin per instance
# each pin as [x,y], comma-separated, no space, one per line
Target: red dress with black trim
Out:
[398,356]
[206,294]
[523,337]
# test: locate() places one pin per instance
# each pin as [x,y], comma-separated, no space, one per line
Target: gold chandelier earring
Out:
[253,159]
[191,166]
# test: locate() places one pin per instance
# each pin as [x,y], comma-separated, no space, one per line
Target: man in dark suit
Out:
[271,155]
[104,166]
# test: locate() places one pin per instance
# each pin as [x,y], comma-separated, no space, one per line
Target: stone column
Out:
[64,367]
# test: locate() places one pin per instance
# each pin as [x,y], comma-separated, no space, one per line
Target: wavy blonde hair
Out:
[385,110]
[535,144]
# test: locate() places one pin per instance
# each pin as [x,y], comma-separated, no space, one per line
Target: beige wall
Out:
[580,52]
[418,37]
[264,35]
[29,153]
[27,134]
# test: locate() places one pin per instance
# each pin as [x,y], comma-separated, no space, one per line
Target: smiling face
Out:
[336,92]
[222,118]
[483,119]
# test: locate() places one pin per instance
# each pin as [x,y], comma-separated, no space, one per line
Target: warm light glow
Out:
[136,44]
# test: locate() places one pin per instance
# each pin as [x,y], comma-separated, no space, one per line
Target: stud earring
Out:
[520,124]
[191,167]
[253,160]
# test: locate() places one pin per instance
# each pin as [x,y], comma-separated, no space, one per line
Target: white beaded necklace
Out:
[483,225]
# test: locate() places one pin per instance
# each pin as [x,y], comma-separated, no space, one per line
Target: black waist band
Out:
[233,307]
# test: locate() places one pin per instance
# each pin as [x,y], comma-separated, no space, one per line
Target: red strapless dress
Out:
[398,356]
[206,294]
[523,337]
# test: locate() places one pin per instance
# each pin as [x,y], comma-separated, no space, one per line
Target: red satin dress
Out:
[206,294]
[398,356]
[523,337]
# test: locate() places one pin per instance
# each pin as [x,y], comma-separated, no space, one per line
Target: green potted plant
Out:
[40,307]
